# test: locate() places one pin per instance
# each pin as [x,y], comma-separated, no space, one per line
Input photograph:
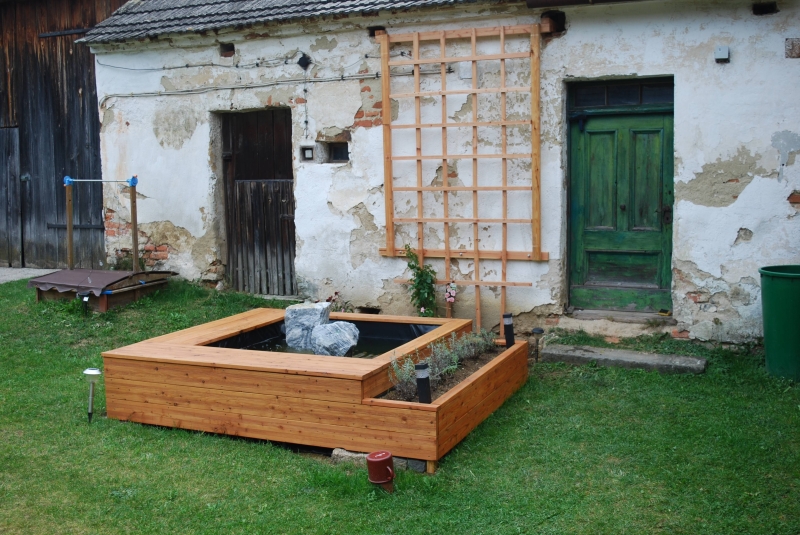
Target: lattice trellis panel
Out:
[470,111]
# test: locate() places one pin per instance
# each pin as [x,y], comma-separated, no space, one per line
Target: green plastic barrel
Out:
[780,302]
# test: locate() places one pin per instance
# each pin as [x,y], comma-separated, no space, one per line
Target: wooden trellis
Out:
[475,94]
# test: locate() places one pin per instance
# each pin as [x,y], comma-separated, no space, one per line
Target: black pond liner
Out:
[374,338]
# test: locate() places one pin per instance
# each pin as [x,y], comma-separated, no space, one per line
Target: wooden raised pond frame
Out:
[177,380]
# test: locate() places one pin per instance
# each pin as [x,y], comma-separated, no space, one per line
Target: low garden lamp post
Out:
[423,382]
[91,374]
[508,329]
[537,333]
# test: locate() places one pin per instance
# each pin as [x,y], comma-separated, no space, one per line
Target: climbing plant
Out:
[422,285]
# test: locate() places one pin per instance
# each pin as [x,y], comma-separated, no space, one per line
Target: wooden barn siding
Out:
[48,92]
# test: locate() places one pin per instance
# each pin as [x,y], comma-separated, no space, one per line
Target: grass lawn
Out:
[576,450]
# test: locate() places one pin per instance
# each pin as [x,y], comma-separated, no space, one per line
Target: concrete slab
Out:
[14,274]
[642,318]
[623,359]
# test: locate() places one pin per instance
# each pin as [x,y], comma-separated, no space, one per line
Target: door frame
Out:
[266,227]
[577,113]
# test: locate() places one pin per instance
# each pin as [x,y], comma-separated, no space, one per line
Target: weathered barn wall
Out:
[736,141]
[48,97]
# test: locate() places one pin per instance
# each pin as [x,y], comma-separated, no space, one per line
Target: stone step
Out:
[622,358]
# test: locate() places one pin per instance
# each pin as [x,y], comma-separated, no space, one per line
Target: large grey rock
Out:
[300,321]
[334,339]
[340,455]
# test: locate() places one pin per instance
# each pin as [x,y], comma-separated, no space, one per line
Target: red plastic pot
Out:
[380,466]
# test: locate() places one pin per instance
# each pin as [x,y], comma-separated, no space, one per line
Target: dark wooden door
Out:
[10,209]
[259,192]
[621,197]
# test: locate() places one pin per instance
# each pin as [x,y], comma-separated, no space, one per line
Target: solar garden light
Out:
[508,329]
[84,297]
[537,333]
[92,374]
[423,382]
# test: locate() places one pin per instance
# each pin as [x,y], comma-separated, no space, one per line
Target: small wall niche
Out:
[307,154]
[765,8]
[227,50]
[558,20]
[326,152]
[373,29]
[338,152]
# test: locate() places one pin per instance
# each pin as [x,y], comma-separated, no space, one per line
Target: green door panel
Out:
[621,181]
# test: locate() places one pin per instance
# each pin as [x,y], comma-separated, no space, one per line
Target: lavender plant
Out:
[403,377]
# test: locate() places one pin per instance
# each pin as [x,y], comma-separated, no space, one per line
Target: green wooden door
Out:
[621,196]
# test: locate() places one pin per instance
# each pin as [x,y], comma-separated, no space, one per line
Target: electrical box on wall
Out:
[307,154]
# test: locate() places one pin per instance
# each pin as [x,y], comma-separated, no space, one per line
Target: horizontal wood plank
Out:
[466,33]
[455,433]
[459,59]
[463,253]
[356,416]
[401,405]
[214,331]
[244,359]
[245,425]
[463,398]
[278,384]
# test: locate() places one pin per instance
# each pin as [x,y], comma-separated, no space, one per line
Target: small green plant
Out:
[423,285]
[403,377]
[472,345]
[444,359]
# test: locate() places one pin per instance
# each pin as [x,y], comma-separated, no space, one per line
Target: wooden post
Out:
[536,143]
[134,230]
[70,252]
[386,119]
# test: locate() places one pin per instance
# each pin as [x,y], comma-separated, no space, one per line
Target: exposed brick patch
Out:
[612,339]
[552,320]
[680,335]
[368,123]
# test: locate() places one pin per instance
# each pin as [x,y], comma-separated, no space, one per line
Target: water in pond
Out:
[375,338]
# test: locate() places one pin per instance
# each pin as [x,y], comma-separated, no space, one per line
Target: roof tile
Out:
[139,19]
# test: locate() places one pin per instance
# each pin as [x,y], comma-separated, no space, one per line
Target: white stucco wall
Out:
[736,139]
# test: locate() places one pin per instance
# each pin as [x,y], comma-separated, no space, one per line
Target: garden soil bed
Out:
[464,371]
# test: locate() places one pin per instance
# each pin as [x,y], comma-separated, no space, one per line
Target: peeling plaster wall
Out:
[736,140]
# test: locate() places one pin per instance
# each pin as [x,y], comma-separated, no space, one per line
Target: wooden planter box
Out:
[177,381]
